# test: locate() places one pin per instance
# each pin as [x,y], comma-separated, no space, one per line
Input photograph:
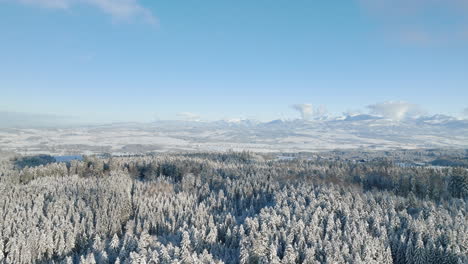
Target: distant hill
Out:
[351,132]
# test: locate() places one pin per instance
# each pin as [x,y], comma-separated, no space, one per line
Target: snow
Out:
[280,135]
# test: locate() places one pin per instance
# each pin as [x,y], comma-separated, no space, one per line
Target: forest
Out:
[234,207]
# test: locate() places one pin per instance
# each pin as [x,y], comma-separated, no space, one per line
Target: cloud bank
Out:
[395,110]
[118,9]
[306,110]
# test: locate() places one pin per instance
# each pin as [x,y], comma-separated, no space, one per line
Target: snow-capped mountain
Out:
[361,117]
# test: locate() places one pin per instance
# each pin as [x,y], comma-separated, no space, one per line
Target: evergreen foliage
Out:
[231,208]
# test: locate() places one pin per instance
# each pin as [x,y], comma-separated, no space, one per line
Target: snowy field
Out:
[287,136]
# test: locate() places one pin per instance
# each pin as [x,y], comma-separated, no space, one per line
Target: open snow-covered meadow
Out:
[274,136]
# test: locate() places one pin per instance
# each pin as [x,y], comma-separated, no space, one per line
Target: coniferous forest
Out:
[231,208]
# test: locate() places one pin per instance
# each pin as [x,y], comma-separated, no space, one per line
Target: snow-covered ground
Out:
[279,135]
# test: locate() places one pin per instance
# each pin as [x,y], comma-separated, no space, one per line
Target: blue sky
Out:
[128,60]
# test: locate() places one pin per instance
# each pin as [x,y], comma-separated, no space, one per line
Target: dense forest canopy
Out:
[234,208]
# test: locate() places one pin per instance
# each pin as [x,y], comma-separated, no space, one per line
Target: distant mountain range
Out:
[346,132]
[364,120]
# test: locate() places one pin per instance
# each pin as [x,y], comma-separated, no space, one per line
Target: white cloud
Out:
[465,112]
[320,112]
[189,116]
[118,9]
[395,110]
[306,110]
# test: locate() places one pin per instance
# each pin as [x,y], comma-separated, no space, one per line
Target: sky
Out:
[144,60]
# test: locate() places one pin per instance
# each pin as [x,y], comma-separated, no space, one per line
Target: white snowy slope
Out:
[349,132]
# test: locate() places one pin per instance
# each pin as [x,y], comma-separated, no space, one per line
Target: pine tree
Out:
[401,252]
[185,251]
[2,256]
[260,247]
[387,256]
[114,244]
[91,259]
[458,184]
[98,245]
[244,255]
[419,252]
[273,253]
[409,252]
[289,255]
[69,260]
